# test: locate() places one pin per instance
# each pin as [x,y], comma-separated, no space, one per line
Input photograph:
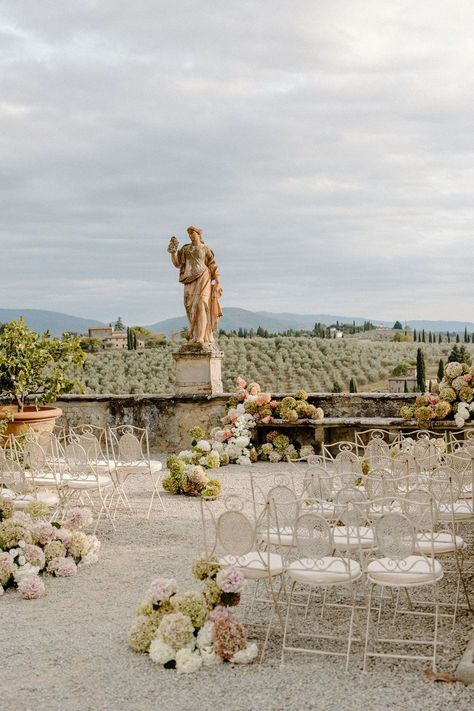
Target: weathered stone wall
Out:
[170,418]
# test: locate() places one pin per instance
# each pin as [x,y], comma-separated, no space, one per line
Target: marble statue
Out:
[199,274]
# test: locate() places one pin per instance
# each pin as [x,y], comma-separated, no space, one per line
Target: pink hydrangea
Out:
[230,580]
[63,535]
[94,545]
[62,567]
[241,395]
[263,399]
[220,613]
[31,587]
[35,556]
[78,517]
[43,532]
[160,590]
[240,383]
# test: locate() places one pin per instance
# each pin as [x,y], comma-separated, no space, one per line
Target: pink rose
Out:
[266,420]
[467,377]
[273,404]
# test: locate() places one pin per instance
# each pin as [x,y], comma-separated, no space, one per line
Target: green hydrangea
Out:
[213,460]
[447,393]
[171,484]
[407,412]
[142,633]
[442,409]
[192,604]
[281,442]
[301,395]
[177,468]
[211,490]
[206,566]
[466,394]
[224,459]
[197,433]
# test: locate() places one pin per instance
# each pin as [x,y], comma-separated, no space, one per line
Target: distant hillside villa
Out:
[112,340]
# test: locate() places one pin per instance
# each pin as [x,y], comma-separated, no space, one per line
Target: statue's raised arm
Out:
[199,274]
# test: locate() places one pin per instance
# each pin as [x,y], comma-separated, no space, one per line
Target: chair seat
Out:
[326,509]
[325,571]
[46,498]
[438,542]
[350,537]
[408,572]
[255,565]
[273,537]
[42,480]
[87,482]
[124,468]
[461,510]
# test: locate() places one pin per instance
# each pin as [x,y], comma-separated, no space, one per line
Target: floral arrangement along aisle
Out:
[31,547]
[189,630]
[453,397]
[232,442]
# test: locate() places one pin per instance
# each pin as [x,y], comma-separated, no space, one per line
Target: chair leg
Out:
[285,630]
[367,627]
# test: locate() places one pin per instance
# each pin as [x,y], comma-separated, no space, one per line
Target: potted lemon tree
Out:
[35,370]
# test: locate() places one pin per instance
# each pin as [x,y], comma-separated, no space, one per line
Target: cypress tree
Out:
[440,340]
[440,370]
[405,387]
[423,337]
[414,334]
[352,386]
[466,337]
[129,339]
[430,338]
[458,340]
[420,370]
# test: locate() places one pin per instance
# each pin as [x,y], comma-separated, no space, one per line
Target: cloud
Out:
[325,148]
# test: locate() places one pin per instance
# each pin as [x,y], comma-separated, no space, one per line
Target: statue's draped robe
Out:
[197,267]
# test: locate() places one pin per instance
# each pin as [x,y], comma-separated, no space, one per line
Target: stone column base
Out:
[198,372]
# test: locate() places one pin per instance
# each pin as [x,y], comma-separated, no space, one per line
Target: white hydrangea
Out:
[244,461]
[203,445]
[160,652]
[186,456]
[24,570]
[203,461]
[218,447]
[242,442]
[245,656]
[459,420]
[205,634]
[187,661]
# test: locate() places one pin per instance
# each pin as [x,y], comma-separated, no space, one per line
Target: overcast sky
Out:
[325,147]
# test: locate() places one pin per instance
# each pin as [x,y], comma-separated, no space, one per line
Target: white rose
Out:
[1,590]
[209,657]
[21,560]
[160,652]
[21,544]
[204,636]
[187,661]
[459,420]
[242,442]
[218,447]
[245,656]
[203,461]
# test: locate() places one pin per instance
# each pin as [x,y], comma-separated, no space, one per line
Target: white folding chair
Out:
[400,567]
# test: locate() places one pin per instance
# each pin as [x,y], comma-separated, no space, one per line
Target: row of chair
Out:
[84,465]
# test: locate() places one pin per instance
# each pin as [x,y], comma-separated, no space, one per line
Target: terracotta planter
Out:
[41,420]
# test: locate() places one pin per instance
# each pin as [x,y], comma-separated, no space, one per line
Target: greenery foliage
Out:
[38,367]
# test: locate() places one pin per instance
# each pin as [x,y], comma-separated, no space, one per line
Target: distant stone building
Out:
[113,340]
[335,332]
[403,383]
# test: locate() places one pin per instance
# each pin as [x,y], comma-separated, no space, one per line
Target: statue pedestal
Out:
[198,371]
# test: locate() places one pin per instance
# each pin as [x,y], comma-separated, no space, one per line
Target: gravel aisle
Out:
[68,651]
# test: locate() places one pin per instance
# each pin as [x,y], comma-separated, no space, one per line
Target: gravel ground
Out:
[68,650]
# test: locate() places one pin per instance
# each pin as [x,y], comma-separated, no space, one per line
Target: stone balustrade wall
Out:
[169,418]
